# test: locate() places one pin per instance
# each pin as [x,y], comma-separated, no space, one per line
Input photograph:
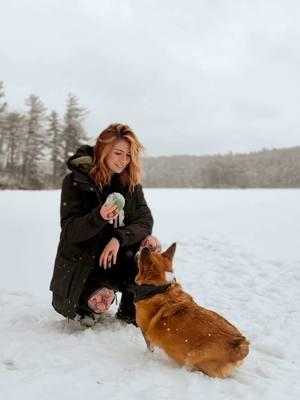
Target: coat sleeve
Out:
[77,223]
[141,225]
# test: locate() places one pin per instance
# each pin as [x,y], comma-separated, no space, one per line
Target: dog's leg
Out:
[150,347]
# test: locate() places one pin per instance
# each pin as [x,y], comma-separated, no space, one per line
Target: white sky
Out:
[190,77]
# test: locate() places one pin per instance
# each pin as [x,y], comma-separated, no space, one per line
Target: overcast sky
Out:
[190,77]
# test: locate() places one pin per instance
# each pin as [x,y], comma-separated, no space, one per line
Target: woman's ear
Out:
[169,253]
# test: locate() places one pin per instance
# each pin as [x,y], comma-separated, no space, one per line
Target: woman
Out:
[95,257]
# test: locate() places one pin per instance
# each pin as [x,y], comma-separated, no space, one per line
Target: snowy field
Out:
[238,253]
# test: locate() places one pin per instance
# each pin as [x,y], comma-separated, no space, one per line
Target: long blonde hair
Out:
[100,173]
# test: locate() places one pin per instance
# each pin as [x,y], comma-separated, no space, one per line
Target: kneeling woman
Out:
[98,242]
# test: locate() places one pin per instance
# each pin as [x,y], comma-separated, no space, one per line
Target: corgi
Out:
[170,319]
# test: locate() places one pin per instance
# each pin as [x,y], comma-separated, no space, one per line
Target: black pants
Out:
[117,278]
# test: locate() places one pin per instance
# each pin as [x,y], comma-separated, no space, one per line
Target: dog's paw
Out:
[150,347]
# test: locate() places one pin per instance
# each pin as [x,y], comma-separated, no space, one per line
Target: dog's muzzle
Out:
[150,248]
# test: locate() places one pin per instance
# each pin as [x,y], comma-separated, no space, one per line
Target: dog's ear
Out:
[169,253]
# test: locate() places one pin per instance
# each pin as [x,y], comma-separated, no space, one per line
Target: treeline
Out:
[34,144]
[278,168]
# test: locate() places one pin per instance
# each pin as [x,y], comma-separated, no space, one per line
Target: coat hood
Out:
[82,160]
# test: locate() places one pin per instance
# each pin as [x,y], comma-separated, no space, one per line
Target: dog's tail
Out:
[241,347]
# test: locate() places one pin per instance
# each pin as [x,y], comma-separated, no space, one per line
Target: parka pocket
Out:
[63,276]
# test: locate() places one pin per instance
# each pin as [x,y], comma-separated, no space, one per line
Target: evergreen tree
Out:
[56,145]
[73,132]
[34,141]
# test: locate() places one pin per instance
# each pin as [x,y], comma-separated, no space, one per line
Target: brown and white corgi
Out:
[170,319]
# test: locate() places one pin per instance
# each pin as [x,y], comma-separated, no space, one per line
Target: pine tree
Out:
[73,132]
[34,142]
[56,145]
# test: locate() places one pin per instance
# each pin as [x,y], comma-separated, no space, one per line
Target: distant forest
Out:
[277,168]
[34,145]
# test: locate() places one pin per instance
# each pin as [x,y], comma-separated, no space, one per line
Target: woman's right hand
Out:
[109,212]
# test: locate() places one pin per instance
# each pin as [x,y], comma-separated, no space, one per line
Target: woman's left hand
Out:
[109,254]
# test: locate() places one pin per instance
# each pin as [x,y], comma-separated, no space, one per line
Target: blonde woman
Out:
[98,242]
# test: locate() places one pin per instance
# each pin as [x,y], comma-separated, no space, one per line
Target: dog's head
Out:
[155,268]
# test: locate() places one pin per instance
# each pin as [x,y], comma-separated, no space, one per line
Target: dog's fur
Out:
[191,335]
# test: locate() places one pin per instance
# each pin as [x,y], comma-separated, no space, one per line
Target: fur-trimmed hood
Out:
[81,161]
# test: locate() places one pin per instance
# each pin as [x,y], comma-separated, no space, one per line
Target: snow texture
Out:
[237,254]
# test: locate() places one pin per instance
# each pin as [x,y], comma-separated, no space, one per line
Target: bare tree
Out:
[14,128]
[2,125]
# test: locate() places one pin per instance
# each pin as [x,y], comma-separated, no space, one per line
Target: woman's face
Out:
[119,156]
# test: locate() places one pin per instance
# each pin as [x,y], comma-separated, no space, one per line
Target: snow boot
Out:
[126,311]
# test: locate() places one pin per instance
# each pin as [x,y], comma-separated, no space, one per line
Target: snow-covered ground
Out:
[238,253]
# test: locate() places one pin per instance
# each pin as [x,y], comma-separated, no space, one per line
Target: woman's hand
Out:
[152,243]
[109,254]
[109,211]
